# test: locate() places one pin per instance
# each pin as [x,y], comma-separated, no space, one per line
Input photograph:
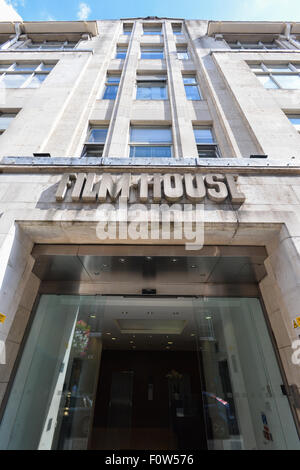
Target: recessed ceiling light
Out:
[167,347]
[114,339]
[104,266]
[108,333]
[174,260]
[149,258]
[194,266]
[170,342]
[122,260]
[208,318]
[192,334]
[92,316]
[131,342]
[133,347]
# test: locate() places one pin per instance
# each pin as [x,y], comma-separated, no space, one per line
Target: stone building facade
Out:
[207,113]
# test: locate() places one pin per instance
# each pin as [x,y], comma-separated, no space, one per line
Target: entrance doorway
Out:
[118,372]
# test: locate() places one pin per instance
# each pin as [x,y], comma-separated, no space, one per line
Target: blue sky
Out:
[271,10]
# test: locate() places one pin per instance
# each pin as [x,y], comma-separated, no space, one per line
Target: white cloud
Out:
[83,11]
[8,12]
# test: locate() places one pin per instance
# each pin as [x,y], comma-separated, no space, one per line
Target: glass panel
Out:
[192,92]
[13,80]
[252,45]
[267,81]
[182,55]
[189,79]
[37,80]
[151,92]
[5,66]
[20,67]
[150,134]
[98,135]
[278,68]
[113,79]
[152,54]
[203,135]
[256,67]
[150,152]
[291,82]
[243,401]
[207,152]
[110,92]
[46,67]
[5,120]
[55,381]
[295,120]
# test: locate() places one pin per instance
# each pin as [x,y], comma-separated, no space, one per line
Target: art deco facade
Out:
[102,332]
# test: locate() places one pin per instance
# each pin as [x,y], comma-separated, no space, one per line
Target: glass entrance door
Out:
[241,383]
[147,373]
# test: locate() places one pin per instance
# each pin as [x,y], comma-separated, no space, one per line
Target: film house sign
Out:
[146,188]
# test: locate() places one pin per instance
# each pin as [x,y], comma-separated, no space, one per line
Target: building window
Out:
[254,45]
[5,120]
[191,87]
[94,144]
[285,76]
[50,45]
[152,52]
[152,29]
[177,28]
[206,145]
[295,120]
[24,74]
[121,52]
[127,29]
[151,87]
[111,87]
[182,52]
[151,142]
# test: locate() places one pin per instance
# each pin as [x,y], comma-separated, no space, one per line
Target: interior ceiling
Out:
[169,324]
[161,324]
[187,269]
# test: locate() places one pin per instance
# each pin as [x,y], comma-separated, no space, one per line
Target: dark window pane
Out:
[192,92]
[110,92]
[150,152]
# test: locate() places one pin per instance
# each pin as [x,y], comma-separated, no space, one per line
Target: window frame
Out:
[11,70]
[108,84]
[294,116]
[94,147]
[264,69]
[155,81]
[150,144]
[155,48]
[210,146]
[262,45]
[11,114]
[184,54]
[118,51]
[195,84]
[26,45]
[156,31]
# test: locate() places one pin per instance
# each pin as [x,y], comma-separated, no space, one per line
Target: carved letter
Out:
[236,196]
[157,187]
[173,192]
[90,192]
[217,190]
[194,193]
[78,187]
[63,186]
[108,187]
